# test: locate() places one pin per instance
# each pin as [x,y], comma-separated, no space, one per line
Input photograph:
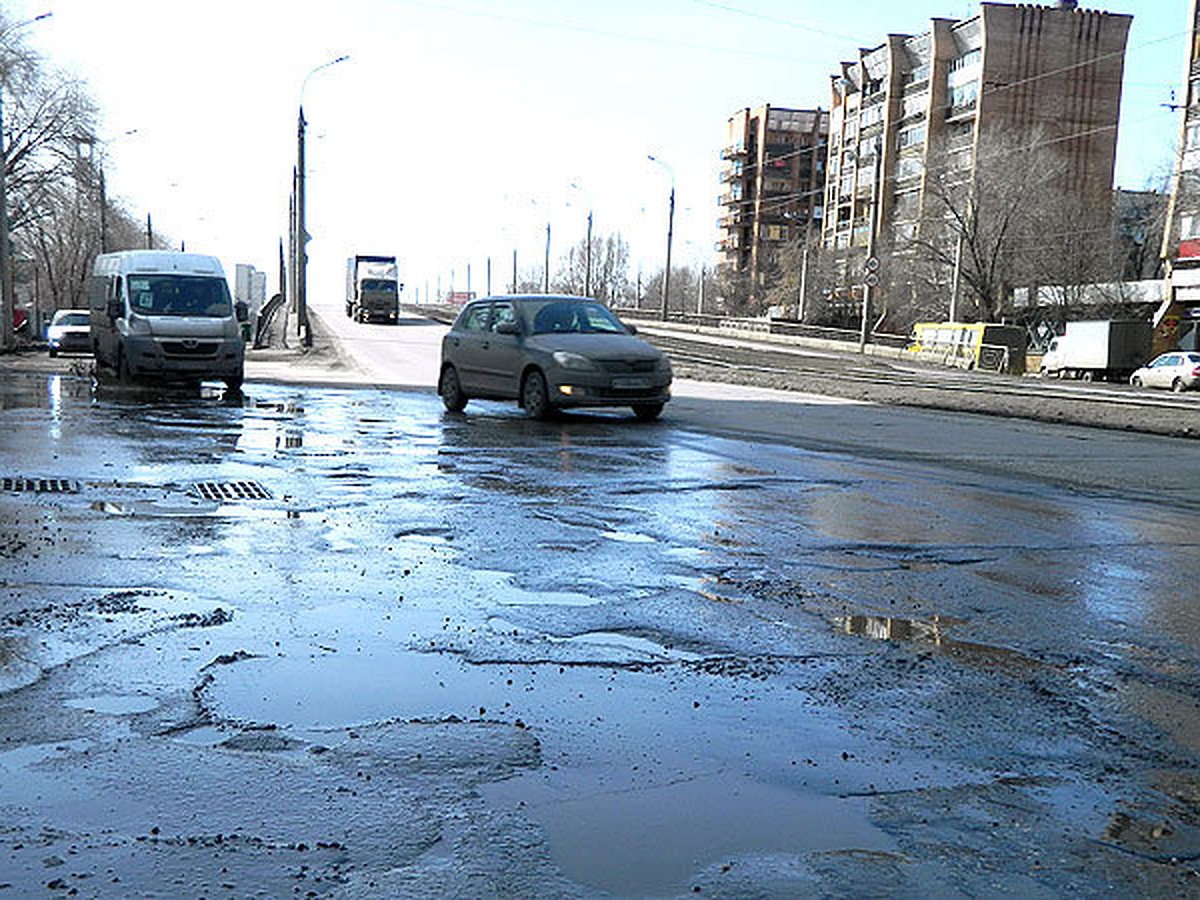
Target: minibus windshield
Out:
[180,295]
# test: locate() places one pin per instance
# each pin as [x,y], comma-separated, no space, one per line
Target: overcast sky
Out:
[457,128]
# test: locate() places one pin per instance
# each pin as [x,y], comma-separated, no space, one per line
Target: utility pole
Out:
[546,279]
[489,276]
[666,297]
[149,233]
[803,292]
[514,281]
[958,249]
[871,278]
[587,278]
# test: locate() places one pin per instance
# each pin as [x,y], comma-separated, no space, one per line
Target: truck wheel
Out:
[124,375]
[1087,376]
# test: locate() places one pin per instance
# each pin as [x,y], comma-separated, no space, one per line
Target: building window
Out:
[964,94]
[909,167]
[915,105]
[967,60]
[909,137]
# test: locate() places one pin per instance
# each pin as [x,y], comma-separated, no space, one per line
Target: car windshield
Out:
[179,295]
[377,284]
[74,319]
[571,317]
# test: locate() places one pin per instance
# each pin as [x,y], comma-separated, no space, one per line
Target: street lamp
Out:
[670,233]
[587,277]
[301,237]
[95,159]
[7,303]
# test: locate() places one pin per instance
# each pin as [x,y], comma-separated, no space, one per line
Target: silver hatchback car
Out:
[550,352]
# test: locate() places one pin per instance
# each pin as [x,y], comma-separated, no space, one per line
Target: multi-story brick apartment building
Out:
[773,178]
[1178,322]
[915,102]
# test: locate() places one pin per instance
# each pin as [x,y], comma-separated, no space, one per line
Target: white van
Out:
[157,315]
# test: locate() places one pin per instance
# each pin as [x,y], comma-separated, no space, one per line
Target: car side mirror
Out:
[632,329]
[508,328]
[115,308]
[242,311]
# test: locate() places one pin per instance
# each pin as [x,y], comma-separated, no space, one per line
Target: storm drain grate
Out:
[40,485]
[225,491]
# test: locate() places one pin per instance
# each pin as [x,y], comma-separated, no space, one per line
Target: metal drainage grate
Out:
[226,491]
[40,485]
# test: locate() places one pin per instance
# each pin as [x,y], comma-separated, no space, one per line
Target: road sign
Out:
[872,263]
[872,279]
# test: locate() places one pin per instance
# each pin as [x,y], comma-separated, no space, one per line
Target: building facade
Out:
[772,177]
[1048,74]
[1178,321]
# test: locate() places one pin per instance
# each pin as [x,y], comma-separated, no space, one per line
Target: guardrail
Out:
[728,324]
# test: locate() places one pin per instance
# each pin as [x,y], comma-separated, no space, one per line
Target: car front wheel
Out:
[451,391]
[535,397]
[1136,381]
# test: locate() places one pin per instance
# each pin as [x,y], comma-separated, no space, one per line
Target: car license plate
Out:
[629,383]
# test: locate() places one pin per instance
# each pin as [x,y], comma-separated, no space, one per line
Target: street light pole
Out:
[301,285]
[670,234]
[7,301]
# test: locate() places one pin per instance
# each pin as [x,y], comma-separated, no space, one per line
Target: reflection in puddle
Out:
[635,840]
[934,632]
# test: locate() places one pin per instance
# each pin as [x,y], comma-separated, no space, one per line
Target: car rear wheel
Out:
[451,391]
[647,412]
[535,397]
[1178,386]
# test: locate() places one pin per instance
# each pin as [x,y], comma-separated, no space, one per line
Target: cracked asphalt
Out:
[475,655]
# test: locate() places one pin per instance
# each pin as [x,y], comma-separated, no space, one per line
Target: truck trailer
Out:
[372,289]
[1098,351]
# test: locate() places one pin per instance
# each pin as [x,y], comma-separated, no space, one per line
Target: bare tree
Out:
[982,222]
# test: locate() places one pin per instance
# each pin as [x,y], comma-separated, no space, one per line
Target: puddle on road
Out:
[627,537]
[113,704]
[633,840]
[933,632]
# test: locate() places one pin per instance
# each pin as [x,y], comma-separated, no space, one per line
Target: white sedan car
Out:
[1177,370]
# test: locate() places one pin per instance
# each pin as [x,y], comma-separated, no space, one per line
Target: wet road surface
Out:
[335,641]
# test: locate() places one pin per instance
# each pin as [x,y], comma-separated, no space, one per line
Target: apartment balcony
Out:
[963,113]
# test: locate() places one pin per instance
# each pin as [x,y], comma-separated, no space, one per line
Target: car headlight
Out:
[574,361]
[137,324]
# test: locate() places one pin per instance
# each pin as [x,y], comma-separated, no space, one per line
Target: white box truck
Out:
[372,289]
[162,316]
[1100,350]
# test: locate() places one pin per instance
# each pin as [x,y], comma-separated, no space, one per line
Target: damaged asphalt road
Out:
[338,642]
